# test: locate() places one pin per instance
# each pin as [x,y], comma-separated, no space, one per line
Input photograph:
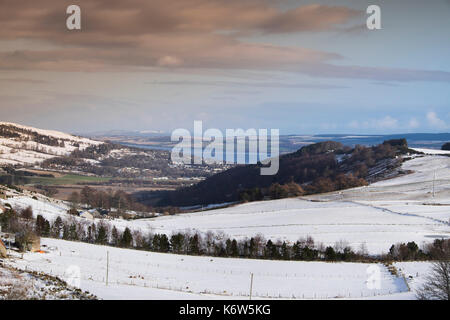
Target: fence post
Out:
[251,285]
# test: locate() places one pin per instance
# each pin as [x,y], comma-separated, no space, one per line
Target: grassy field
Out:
[66,180]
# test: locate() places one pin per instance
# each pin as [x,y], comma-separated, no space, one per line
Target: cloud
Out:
[312,17]
[387,122]
[190,34]
[23,80]
[186,34]
[116,18]
[393,124]
[372,73]
[435,121]
[379,124]
[169,61]
[238,84]
[154,51]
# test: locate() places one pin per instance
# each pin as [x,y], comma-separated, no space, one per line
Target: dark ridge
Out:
[317,168]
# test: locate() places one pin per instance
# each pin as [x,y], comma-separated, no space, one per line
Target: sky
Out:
[304,67]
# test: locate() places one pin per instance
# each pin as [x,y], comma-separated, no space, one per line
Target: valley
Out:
[410,207]
[58,164]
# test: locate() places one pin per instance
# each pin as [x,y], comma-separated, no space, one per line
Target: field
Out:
[143,275]
[67,179]
[413,207]
[397,210]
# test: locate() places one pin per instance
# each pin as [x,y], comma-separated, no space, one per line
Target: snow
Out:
[20,151]
[287,220]
[431,151]
[414,272]
[19,284]
[52,133]
[424,168]
[137,274]
[290,219]
[385,213]
[397,210]
[48,208]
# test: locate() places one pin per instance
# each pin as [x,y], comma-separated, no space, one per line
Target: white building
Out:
[87,215]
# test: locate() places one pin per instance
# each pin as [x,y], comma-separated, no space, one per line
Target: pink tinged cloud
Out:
[194,34]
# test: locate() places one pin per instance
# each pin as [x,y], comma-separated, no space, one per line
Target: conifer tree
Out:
[127,239]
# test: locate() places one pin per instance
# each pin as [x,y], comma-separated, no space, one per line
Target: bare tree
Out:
[437,283]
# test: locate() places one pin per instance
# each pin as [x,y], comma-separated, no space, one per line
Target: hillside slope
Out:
[17,284]
[137,274]
[318,168]
[402,209]
[24,145]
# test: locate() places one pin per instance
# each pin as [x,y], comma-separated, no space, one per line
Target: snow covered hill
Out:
[24,145]
[396,210]
[16,284]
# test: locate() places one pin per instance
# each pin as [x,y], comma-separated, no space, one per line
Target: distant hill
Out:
[415,140]
[322,167]
[287,143]
[23,145]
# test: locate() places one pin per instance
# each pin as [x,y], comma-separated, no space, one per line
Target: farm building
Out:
[86,215]
[95,213]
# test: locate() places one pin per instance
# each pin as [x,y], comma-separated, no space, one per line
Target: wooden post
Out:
[251,285]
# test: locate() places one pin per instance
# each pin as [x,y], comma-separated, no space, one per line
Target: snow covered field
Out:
[431,151]
[143,275]
[415,272]
[384,213]
[397,210]
[377,225]
[327,222]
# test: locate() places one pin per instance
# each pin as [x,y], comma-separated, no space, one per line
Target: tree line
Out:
[318,168]
[9,131]
[138,163]
[210,243]
[105,199]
